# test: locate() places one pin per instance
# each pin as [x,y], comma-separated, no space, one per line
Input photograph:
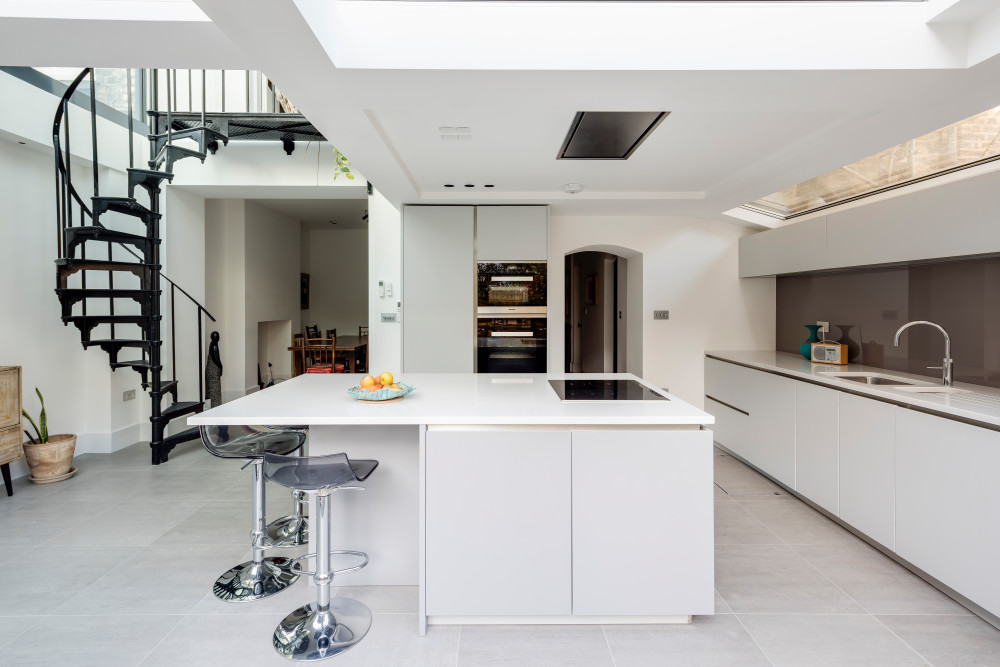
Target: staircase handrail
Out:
[62,171]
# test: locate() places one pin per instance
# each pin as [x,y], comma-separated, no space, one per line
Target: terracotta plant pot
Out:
[52,458]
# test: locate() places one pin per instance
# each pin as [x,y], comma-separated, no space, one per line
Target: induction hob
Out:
[604,390]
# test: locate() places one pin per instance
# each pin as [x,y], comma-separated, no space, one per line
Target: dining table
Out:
[347,345]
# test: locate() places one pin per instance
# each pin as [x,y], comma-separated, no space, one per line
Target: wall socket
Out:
[661,314]
[128,395]
[389,317]
[824,327]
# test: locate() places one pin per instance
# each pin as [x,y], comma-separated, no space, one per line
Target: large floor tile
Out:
[128,523]
[708,641]
[949,641]
[215,522]
[164,580]
[383,599]
[82,641]
[723,461]
[775,579]
[49,577]
[746,483]
[876,582]
[816,640]
[534,646]
[734,525]
[11,627]
[37,523]
[797,523]
[721,606]
[211,641]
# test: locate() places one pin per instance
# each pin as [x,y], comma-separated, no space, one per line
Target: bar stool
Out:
[291,530]
[259,577]
[328,626]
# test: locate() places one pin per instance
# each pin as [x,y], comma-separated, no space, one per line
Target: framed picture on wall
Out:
[304,291]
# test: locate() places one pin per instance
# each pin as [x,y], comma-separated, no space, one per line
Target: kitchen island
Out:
[506,504]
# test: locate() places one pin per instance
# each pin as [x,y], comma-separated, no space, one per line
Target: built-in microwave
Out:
[511,285]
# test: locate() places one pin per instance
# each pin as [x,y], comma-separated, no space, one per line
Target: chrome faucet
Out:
[947,364]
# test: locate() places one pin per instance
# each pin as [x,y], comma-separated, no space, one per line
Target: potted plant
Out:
[49,456]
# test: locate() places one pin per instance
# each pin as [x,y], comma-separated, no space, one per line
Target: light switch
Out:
[661,314]
[381,288]
[388,289]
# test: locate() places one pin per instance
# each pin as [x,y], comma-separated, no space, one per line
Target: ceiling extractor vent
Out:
[608,135]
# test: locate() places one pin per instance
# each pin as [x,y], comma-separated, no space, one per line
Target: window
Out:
[963,144]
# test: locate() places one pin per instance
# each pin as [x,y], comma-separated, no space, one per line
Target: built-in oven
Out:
[511,343]
[511,284]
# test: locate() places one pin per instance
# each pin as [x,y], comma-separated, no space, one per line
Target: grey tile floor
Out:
[114,567]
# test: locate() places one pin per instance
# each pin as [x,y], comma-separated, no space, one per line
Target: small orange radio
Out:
[828,353]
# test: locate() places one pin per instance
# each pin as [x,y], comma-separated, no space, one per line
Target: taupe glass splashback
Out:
[962,296]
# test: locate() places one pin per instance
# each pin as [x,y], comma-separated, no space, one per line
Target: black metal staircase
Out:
[120,293]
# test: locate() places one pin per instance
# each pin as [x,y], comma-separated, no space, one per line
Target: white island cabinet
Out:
[504,504]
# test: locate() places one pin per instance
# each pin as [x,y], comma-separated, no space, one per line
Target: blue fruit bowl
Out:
[384,394]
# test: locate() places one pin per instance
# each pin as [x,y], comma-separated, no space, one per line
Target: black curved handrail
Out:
[64,184]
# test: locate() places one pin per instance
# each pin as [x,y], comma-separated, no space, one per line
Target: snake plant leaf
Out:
[30,438]
[42,419]
[32,422]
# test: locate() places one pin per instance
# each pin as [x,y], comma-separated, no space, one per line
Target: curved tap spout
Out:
[946,365]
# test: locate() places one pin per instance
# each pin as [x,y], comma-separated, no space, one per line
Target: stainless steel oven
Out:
[511,284]
[511,343]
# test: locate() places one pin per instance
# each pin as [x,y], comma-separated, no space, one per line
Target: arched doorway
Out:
[603,303]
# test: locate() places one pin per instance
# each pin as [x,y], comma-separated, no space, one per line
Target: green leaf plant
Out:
[342,167]
[41,432]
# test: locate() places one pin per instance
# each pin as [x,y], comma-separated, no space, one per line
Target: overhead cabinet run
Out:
[917,484]
[512,233]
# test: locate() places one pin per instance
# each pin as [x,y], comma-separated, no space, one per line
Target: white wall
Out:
[687,266]
[384,263]
[338,281]
[273,247]
[225,289]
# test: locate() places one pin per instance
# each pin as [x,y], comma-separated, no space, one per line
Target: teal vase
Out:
[806,348]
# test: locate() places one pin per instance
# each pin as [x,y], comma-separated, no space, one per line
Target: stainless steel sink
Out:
[873,379]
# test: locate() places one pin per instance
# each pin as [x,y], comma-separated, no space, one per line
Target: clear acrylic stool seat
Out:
[259,577]
[324,628]
[291,530]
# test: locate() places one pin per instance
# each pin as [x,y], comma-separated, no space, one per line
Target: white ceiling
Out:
[761,96]
[320,213]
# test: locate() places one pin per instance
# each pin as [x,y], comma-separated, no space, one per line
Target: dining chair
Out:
[319,355]
[361,363]
[312,331]
[298,353]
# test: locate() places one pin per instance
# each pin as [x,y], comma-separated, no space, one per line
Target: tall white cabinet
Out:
[512,233]
[439,281]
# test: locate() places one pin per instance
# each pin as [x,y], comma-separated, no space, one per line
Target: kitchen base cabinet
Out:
[947,506]
[817,445]
[730,389]
[642,523]
[867,469]
[498,527]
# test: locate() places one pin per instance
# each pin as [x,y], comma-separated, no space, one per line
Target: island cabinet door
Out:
[498,523]
[642,523]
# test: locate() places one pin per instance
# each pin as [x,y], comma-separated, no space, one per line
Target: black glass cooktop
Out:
[604,390]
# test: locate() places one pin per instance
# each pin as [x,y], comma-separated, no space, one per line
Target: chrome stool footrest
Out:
[295,565]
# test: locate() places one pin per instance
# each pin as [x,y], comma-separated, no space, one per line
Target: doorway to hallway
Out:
[596,312]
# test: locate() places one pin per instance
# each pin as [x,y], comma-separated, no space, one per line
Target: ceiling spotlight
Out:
[449,185]
[572,188]
[469,185]
[488,185]
[331,222]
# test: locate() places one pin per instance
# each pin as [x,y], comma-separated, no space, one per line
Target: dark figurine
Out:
[213,372]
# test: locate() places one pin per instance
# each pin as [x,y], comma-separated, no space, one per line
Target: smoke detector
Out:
[572,188]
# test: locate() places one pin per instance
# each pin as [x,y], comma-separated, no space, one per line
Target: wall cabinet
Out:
[439,283]
[946,503]
[512,233]
[867,492]
[498,536]
[817,441]
[642,523]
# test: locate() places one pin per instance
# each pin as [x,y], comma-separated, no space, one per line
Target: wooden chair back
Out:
[319,352]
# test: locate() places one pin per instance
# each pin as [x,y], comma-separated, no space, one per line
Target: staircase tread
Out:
[151,172]
[124,202]
[137,363]
[108,319]
[116,266]
[182,407]
[181,131]
[97,231]
[124,342]
[186,435]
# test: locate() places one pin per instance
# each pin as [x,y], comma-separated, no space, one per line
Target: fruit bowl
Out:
[384,394]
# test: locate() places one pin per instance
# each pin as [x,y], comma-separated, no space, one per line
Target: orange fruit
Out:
[385,378]
[367,381]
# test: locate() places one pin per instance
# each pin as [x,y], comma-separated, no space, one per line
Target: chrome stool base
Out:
[288,531]
[255,581]
[309,634]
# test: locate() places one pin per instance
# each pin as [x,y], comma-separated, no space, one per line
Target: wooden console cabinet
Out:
[10,421]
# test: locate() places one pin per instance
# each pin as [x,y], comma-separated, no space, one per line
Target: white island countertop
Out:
[971,402]
[448,399]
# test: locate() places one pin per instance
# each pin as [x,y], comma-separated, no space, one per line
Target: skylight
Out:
[963,144]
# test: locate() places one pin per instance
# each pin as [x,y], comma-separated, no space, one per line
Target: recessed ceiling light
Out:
[22,143]
[488,185]
[449,185]
[449,133]
[469,185]
[572,188]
